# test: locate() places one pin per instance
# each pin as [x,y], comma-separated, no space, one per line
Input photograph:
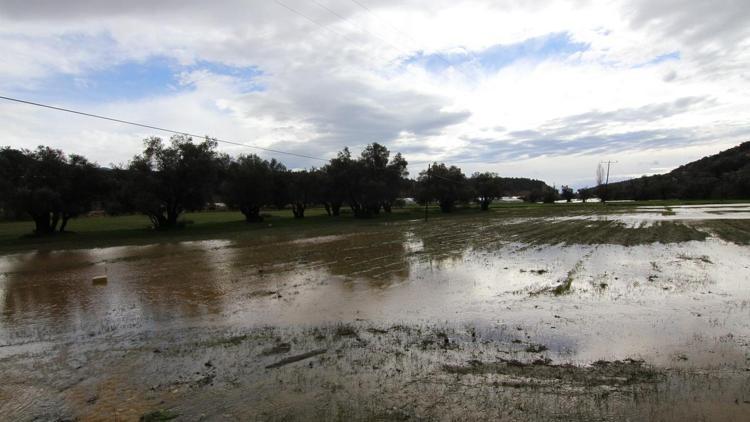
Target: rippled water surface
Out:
[677,305]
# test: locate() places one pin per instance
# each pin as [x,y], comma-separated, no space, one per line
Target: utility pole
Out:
[606,182]
[426,198]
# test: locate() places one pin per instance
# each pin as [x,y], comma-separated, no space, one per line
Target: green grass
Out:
[159,416]
[601,232]
[93,232]
[736,231]
[567,283]
[668,211]
[673,202]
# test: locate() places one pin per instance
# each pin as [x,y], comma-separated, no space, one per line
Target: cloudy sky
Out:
[544,89]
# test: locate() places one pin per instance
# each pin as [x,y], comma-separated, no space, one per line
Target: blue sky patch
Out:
[675,55]
[501,55]
[137,79]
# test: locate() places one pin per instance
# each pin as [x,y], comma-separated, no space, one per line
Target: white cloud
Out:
[348,83]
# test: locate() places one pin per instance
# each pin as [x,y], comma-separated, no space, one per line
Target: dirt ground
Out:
[639,316]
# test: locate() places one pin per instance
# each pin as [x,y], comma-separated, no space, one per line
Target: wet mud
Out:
[472,318]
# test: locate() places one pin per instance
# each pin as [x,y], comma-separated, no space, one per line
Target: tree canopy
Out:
[446,185]
[166,180]
[169,178]
[48,186]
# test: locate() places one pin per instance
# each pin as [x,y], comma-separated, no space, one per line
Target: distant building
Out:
[506,199]
[217,206]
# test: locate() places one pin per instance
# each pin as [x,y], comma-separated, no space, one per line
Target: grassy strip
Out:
[736,231]
[541,372]
[94,232]
[159,416]
[566,284]
[600,232]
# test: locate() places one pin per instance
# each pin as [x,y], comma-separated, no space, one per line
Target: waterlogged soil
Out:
[457,319]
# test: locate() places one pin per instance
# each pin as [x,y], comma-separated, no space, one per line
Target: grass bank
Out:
[93,232]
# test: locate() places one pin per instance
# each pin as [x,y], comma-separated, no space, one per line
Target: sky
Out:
[541,89]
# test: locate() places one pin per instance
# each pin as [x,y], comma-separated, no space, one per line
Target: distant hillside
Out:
[522,186]
[725,175]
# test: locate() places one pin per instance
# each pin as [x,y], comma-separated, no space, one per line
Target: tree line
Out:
[169,178]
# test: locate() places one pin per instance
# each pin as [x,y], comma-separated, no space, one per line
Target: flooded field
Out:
[629,315]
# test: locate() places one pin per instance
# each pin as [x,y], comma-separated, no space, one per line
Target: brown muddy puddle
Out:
[441,321]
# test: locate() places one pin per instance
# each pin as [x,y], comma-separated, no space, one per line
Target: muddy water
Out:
[676,307]
[646,216]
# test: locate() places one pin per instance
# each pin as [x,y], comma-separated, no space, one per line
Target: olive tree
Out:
[446,185]
[167,180]
[248,185]
[486,187]
[49,186]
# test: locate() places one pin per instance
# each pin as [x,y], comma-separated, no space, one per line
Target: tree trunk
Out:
[328,208]
[55,220]
[41,223]
[251,213]
[446,206]
[484,204]
[173,213]
[298,209]
[64,222]
[158,220]
[336,208]
[356,209]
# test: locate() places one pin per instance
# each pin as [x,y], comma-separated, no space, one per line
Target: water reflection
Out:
[457,272]
[48,293]
[154,286]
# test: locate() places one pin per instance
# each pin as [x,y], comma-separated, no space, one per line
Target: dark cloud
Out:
[715,33]
[345,111]
[695,21]
[590,133]
[331,84]
[599,120]
[490,150]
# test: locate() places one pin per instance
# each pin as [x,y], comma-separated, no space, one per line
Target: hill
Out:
[725,175]
[522,186]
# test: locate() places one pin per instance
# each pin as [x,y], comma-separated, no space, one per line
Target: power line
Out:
[343,18]
[446,160]
[430,174]
[326,27]
[405,35]
[176,132]
[368,10]
[606,183]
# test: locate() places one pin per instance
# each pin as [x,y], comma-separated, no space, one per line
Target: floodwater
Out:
[646,216]
[395,311]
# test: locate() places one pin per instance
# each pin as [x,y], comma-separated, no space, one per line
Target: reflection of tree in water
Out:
[378,256]
[41,292]
[185,281]
[53,292]
[446,242]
